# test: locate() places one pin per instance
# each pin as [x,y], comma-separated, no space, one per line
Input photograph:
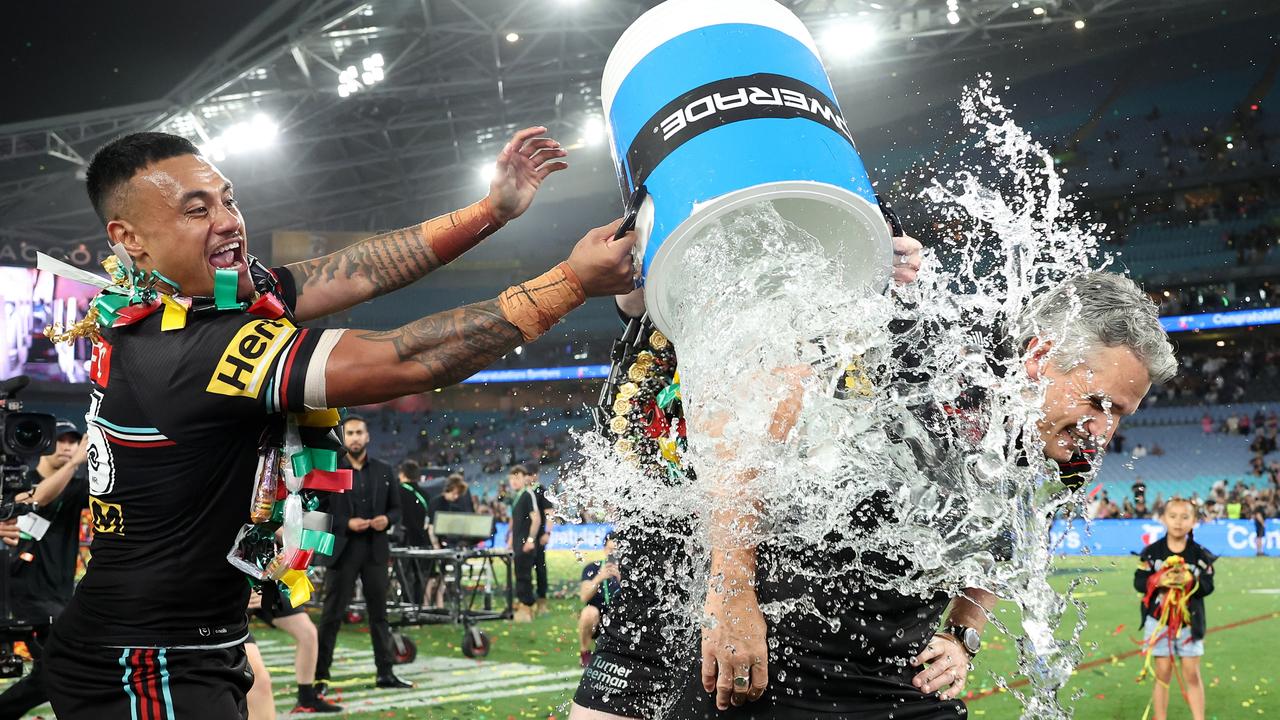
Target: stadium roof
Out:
[439,84]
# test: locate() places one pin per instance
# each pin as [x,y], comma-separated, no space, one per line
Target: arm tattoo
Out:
[387,262]
[453,345]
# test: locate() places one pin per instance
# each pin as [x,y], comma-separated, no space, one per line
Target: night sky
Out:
[64,57]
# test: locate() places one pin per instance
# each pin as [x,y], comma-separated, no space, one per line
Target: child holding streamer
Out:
[1174,575]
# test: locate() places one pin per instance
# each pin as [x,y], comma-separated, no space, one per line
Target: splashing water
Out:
[886,440]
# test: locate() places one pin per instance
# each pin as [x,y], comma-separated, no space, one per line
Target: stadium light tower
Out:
[850,38]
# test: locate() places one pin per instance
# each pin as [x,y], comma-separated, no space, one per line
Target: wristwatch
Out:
[968,637]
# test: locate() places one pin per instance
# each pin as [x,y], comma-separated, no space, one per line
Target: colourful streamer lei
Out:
[286,528]
[1171,613]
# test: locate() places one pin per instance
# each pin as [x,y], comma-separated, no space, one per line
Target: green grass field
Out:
[1244,619]
[533,668]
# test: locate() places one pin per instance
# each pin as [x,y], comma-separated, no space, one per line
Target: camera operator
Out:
[41,583]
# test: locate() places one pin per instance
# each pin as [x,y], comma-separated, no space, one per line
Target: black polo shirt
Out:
[43,588]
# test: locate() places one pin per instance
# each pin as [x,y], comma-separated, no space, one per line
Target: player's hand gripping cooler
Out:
[718,106]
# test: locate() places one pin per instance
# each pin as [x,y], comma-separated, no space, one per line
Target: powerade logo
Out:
[750,97]
[818,107]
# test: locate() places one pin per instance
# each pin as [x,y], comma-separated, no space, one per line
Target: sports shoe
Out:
[317,705]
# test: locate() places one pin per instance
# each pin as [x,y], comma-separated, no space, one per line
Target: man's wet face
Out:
[182,219]
[1083,406]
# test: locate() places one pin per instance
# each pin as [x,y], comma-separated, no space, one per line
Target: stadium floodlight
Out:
[486,172]
[1037,11]
[1079,24]
[953,14]
[373,66]
[354,79]
[593,132]
[513,37]
[850,38]
[257,133]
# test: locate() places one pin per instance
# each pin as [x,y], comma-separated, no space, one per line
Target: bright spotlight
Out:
[953,17]
[519,349]
[370,72]
[254,134]
[593,130]
[486,172]
[850,39]
[1079,24]
[513,37]
[1037,11]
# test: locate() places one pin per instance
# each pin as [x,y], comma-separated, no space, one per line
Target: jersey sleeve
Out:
[225,370]
[288,286]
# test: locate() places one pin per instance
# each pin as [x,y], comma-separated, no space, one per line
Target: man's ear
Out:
[1037,354]
[120,232]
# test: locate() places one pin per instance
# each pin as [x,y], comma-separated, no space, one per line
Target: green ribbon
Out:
[317,540]
[160,276]
[309,459]
[225,284]
[668,395]
[277,512]
[109,305]
[421,500]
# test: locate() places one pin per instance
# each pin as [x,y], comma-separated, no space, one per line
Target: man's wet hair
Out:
[115,164]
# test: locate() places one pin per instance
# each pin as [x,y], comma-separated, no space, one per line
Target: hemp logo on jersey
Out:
[242,371]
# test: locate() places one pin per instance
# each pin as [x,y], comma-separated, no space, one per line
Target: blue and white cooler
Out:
[717,105]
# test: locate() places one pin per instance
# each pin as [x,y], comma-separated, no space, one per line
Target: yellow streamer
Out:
[319,419]
[1175,601]
[299,585]
[175,314]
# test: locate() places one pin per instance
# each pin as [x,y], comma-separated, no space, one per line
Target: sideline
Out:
[1110,658]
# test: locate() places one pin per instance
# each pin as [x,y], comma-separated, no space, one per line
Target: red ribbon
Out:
[330,481]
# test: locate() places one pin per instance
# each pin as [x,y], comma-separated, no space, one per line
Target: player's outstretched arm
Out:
[445,348]
[390,261]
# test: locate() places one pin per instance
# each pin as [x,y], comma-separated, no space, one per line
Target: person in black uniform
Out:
[198,354]
[635,671]
[40,588]
[600,585]
[362,549]
[903,657]
[454,498]
[522,538]
[413,506]
[545,506]
[413,527]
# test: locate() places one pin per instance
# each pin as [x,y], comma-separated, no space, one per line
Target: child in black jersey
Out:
[1174,575]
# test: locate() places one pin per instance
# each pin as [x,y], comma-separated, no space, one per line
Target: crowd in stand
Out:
[1222,376]
[1239,501]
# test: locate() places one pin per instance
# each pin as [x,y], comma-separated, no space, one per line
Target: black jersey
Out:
[1199,561]
[174,424]
[521,521]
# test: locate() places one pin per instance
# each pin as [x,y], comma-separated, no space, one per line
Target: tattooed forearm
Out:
[452,346]
[371,267]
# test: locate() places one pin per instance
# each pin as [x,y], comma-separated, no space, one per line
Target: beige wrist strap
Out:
[536,305]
